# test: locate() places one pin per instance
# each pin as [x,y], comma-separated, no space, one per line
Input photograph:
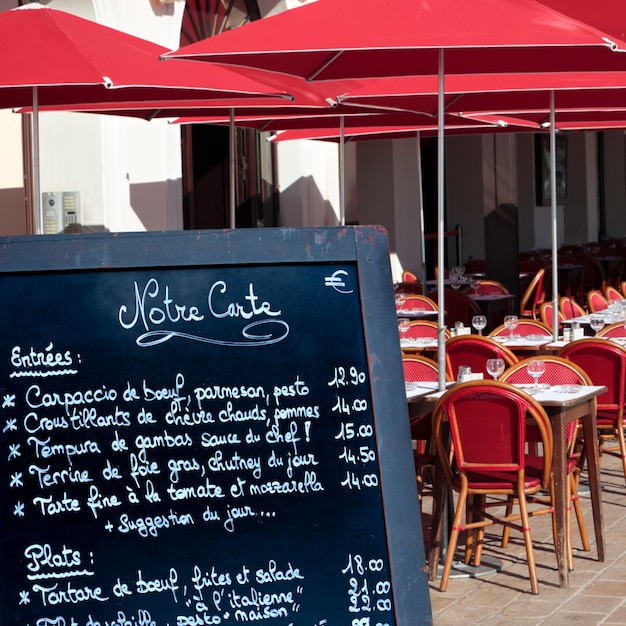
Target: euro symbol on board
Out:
[336,282]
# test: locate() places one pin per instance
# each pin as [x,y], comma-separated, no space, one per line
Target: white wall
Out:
[308,183]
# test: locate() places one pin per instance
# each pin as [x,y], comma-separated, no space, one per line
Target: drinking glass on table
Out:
[479,322]
[511,322]
[403,327]
[596,322]
[495,367]
[475,282]
[536,369]
[400,300]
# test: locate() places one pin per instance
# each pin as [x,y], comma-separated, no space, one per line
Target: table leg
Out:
[440,489]
[561,498]
[590,436]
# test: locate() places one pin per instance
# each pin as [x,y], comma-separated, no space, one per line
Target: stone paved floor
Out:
[597,591]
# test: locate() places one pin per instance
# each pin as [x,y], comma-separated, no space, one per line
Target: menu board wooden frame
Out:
[339,255]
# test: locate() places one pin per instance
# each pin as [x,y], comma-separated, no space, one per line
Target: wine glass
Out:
[596,322]
[479,322]
[400,300]
[536,368]
[511,322]
[495,367]
[403,327]
[475,283]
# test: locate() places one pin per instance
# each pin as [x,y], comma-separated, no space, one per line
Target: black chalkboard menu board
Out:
[205,428]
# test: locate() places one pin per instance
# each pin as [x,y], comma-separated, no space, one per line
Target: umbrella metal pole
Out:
[232,170]
[342,173]
[36,179]
[553,191]
[441,326]
[420,191]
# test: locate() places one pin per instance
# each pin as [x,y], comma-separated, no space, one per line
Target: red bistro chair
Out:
[546,312]
[474,350]
[490,287]
[416,301]
[525,326]
[487,423]
[612,293]
[570,308]
[421,369]
[605,364]
[459,306]
[559,371]
[408,287]
[596,301]
[613,330]
[534,296]
[419,329]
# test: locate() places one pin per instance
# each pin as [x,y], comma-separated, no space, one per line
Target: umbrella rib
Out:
[331,59]
[228,11]
[196,33]
[215,17]
[207,20]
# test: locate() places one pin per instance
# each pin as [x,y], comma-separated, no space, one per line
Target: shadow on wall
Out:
[156,204]
[12,212]
[302,204]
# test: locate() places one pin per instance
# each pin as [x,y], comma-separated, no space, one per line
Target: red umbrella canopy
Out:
[305,98]
[607,15]
[268,122]
[71,59]
[494,93]
[505,94]
[373,133]
[331,39]
[565,120]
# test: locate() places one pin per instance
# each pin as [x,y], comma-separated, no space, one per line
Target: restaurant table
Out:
[561,407]
[422,344]
[526,345]
[608,316]
[417,314]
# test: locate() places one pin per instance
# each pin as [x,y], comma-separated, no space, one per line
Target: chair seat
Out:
[496,481]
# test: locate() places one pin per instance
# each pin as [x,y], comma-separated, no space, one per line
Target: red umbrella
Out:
[70,59]
[59,58]
[332,39]
[582,91]
[374,133]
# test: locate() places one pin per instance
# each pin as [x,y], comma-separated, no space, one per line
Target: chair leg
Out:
[622,443]
[470,535]
[568,531]
[584,538]
[530,555]
[506,531]
[480,533]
